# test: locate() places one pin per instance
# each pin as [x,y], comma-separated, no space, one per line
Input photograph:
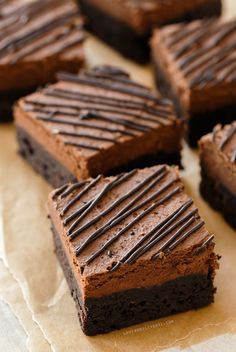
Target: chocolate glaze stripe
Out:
[50,41]
[228,71]
[129,225]
[216,35]
[172,240]
[217,72]
[59,191]
[127,210]
[207,59]
[107,188]
[71,188]
[160,172]
[80,194]
[36,33]
[82,145]
[67,77]
[222,34]
[94,115]
[118,218]
[184,32]
[186,234]
[115,78]
[134,252]
[84,125]
[84,135]
[119,121]
[227,137]
[163,110]
[157,237]
[77,212]
[120,111]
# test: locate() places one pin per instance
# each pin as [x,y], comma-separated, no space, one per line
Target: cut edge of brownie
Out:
[57,174]
[218,196]
[128,42]
[133,306]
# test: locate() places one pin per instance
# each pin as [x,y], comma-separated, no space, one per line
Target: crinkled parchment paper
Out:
[32,283]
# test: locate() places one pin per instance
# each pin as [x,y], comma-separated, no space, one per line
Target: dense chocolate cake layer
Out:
[218,167]
[99,121]
[126,25]
[137,230]
[196,66]
[37,39]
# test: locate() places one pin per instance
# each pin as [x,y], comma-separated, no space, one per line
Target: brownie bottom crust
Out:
[198,124]
[57,174]
[219,197]
[103,314]
[126,40]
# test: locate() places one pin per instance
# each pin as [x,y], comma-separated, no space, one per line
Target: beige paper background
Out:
[32,283]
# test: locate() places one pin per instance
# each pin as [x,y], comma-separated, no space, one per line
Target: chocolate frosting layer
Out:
[200,61]
[33,31]
[142,15]
[218,155]
[100,117]
[125,226]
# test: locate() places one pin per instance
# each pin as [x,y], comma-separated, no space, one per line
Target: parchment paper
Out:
[39,295]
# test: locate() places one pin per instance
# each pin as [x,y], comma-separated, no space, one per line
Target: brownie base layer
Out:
[219,197]
[57,174]
[103,314]
[7,101]
[124,39]
[198,124]
[42,162]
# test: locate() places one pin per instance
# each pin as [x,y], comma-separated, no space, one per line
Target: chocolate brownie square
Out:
[132,247]
[195,65]
[126,25]
[218,170]
[99,121]
[37,38]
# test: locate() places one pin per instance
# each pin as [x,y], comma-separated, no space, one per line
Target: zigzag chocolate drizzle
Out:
[28,23]
[181,223]
[120,88]
[203,50]
[73,108]
[160,173]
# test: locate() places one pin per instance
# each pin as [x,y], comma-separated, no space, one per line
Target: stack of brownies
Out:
[131,242]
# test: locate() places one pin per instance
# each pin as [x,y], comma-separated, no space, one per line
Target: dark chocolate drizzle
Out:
[160,173]
[203,50]
[84,79]
[74,108]
[181,223]
[27,23]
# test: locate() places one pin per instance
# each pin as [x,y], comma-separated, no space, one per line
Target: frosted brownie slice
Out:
[37,38]
[95,123]
[218,169]
[127,24]
[133,248]
[196,66]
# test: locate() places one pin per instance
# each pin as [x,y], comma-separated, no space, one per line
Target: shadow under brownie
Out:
[132,247]
[37,39]
[127,25]
[97,122]
[195,67]
[218,170]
